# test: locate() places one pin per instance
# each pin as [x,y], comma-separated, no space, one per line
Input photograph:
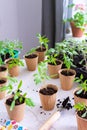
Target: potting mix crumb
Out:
[12,125]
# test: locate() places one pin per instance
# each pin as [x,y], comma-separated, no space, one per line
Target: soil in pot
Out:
[47,91]
[31,56]
[9,101]
[81,95]
[2,81]
[2,68]
[3,71]
[39,49]
[48,96]
[80,113]
[67,73]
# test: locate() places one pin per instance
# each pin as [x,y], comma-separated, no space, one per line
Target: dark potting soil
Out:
[48,91]
[57,63]
[17,102]
[80,113]
[66,103]
[41,50]
[31,56]
[82,94]
[67,73]
[2,68]
[2,81]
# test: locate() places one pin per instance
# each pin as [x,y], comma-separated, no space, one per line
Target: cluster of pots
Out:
[47,100]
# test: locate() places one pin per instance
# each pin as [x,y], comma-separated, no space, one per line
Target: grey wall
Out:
[20,19]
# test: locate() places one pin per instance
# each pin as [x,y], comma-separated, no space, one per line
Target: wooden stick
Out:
[50,121]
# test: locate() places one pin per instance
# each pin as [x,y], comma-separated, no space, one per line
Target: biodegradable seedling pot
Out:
[41,54]
[3,71]
[66,81]
[78,99]
[31,61]
[81,123]
[3,82]
[14,70]
[17,113]
[53,69]
[48,96]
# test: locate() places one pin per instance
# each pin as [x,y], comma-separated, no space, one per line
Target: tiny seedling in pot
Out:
[16,102]
[46,91]
[81,116]
[43,41]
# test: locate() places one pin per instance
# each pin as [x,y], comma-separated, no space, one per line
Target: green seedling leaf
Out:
[29,102]
[12,105]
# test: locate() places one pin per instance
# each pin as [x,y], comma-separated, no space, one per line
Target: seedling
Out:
[82,109]
[33,50]
[9,86]
[43,41]
[21,98]
[15,62]
[67,61]
[41,75]
[82,85]
[10,46]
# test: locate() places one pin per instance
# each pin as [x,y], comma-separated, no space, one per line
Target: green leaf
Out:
[12,105]
[29,102]
[20,84]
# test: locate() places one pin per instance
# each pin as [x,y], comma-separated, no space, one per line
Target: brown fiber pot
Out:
[53,70]
[14,71]
[81,123]
[79,99]
[3,93]
[17,113]
[3,73]
[66,81]
[31,63]
[48,101]
[76,32]
[41,55]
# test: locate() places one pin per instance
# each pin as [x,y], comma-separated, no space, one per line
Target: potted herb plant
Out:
[31,59]
[67,75]
[81,115]
[47,92]
[41,50]
[13,66]
[80,93]
[54,65]
[78,21]
[15,104]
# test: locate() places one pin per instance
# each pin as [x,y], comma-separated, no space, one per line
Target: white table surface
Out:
[33,118]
